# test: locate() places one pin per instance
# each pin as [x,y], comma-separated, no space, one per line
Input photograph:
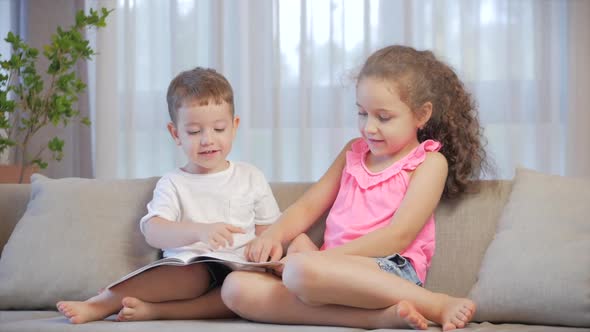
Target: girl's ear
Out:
[173,132]
[423,114]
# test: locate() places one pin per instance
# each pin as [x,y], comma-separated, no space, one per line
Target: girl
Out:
[420,140]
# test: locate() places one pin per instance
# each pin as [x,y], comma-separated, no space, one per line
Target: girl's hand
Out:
[218,235]
[278,270]
[264,248]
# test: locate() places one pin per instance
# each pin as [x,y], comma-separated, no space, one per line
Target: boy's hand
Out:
[264,248]
[218,235]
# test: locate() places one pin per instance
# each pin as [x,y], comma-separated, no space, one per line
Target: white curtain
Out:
[292,66]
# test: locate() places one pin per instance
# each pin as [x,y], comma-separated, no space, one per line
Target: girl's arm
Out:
[259,229]
[424,192]
[300,215]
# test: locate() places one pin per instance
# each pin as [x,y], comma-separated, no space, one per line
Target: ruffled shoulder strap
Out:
[354,157]
[366,179]
[417,156]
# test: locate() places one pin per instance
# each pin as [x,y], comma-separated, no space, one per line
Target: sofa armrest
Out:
[13,202]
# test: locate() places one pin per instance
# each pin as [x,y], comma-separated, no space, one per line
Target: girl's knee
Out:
[301,273]
[251,294]
[302,243]
[235,291]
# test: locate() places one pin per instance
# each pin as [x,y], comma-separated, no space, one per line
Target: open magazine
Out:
[232,258]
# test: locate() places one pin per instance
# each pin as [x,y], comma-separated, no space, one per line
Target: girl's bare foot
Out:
[402,315]
[135,309]
[456,312]
[78,312]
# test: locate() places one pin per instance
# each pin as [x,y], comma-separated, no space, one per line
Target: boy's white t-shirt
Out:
[239,195]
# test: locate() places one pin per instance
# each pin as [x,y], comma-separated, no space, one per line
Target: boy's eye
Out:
[194,132]
[219,130]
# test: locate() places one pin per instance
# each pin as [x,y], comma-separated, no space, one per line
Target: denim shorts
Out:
[400,266]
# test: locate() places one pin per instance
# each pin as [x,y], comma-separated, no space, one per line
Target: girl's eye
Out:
[362,113]
[384,118]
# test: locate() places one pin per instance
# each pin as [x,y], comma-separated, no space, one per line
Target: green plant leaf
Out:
[55,144]
[40,100]
[39,162]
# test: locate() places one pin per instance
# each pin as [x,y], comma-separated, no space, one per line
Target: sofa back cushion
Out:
[13,202]
[464,229]
[76,236]
[537,268]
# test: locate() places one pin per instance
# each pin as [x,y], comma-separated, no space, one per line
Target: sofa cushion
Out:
[465,226]
[537,268]
[76,236]
[13,202]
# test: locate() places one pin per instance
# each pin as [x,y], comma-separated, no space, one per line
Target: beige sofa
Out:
[65,223]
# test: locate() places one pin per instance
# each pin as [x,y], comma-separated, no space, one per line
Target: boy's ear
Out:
[424,114]
[173,132]
[236,124]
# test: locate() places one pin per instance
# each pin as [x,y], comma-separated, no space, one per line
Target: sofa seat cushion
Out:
[41,321]
[7,316]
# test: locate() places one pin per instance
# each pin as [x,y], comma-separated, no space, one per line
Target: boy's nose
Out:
[205,137]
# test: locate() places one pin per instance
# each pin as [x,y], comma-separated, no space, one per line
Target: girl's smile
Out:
[386,123]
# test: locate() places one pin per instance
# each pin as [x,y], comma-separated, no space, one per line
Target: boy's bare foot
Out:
[135,309]
[78,312]
[403,315]
[456,312]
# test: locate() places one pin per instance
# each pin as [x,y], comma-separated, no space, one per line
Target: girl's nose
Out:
[370,126]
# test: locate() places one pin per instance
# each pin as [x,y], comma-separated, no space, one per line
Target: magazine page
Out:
[234,258]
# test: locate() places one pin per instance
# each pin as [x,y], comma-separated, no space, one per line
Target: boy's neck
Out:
[196,169]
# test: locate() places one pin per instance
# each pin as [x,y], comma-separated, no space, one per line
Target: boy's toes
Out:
[129,302]
[449,326]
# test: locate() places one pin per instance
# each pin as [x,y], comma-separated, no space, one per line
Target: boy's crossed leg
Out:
[160,284]
[207,306]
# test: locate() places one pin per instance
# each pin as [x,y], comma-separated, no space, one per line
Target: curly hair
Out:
[421,78]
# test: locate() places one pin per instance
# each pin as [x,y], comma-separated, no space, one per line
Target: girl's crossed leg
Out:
[164,292]
[340,290]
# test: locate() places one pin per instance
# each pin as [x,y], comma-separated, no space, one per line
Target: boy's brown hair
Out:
[201,86]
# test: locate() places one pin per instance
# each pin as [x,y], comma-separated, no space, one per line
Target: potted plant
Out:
[29,103]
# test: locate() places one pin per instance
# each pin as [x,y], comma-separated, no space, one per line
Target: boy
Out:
[210,203]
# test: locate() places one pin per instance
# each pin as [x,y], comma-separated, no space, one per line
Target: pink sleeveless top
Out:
[367,201]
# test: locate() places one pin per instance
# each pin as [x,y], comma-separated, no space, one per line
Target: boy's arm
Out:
[163,234]
[424,192]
